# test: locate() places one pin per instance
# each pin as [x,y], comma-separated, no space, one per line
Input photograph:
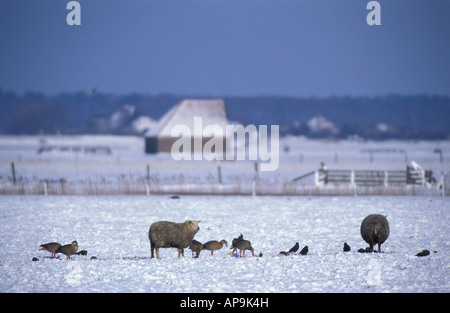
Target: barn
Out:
[194,114]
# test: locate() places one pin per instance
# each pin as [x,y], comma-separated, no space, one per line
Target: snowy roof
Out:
[212,111]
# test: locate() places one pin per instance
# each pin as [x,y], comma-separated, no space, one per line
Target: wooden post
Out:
[148,172]
[219,173]
[443,187]
[13,169]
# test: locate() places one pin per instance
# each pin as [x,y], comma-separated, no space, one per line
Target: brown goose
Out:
[214,245]
[236,240]
[68,249]
[50,247]
[196,247]
[243,245]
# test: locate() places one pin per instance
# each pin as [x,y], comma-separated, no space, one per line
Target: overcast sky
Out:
[226,47]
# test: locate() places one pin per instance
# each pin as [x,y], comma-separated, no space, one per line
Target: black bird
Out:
[423,253]
[294,248]
[346,247]
[304,251]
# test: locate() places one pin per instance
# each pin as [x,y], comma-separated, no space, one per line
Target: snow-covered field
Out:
[128,170]
[114,229]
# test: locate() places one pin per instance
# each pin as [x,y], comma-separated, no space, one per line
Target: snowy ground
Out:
[114,229]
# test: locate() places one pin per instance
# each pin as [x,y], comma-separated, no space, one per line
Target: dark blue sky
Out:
[226,47]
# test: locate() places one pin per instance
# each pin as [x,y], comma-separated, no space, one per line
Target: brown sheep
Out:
[375,230]
[165,234]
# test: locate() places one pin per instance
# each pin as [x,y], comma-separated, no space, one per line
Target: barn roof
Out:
[212,111]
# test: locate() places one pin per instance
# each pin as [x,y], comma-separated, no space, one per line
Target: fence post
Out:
[443,187]
[219,173]
[45,188]
[385,178]
[13,169]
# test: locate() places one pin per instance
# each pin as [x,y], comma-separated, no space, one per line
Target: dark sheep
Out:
[165,234]
[375,230]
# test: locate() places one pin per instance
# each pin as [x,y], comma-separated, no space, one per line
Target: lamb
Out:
[375,230]
[164,234]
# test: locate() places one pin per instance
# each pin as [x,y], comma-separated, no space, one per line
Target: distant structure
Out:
[212,112]
[319,124]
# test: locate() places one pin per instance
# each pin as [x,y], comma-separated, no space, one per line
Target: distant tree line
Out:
[383,117]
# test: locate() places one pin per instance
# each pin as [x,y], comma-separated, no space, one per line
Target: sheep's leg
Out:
[180,252]
[379,247]
[370,247]
[157,253]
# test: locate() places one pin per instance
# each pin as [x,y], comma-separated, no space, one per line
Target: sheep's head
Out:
[193,226]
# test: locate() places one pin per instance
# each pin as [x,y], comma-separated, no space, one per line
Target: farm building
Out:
[191,114]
